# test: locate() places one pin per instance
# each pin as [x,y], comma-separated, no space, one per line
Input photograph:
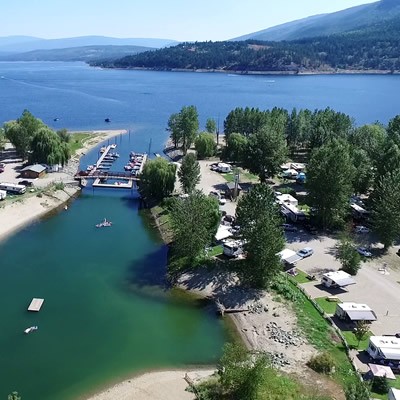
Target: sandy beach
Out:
[159,385]
[21,213]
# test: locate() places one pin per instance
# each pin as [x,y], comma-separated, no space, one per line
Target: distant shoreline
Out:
[291,73]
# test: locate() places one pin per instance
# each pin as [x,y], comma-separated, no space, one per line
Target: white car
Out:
[363,251]
[362,229]
[222,201]
[306,252]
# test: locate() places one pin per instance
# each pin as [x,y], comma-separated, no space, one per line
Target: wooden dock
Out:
[127,185]
[36,305]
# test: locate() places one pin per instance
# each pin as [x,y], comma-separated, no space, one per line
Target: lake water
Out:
[106,313]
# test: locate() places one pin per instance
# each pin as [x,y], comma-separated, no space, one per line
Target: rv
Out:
[224,168]
[385,348]
[3,194]
[233,248]
[13,188]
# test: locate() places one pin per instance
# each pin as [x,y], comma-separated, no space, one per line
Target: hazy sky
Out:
[172,19]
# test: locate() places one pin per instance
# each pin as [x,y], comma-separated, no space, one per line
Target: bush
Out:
[284,287]
[380,385]
[205,145]
[59,186]
[323,363]
[288,190]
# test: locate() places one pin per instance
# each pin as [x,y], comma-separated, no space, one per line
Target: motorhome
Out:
[13,188]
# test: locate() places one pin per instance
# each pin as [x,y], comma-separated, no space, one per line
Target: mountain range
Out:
[328,24]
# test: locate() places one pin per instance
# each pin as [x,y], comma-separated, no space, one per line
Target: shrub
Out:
[283,286]
[59,186]
[323,363]
[288,190]
[380,385]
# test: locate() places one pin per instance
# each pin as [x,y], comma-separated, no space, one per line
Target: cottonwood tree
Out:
[330,174]
[361,330]
[364,171]
[184,127]
[2,139]
[211,126]
[358,391]
[385,208]
[348,257]
[194,222]
[258,218]
[205,145]
[369,138]
[266,151]
[157,179]
[189,173]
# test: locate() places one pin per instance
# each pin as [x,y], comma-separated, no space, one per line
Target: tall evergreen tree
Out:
[189,173]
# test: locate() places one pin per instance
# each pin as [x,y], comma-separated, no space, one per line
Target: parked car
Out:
[222,200]
[289,228]
[363,251]
[310,229]
[2,165]
[306,252]
[25,183]
[398,252]
[1,169]
[361,229]
[214,166]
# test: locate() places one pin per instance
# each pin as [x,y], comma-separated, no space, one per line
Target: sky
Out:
[171,19]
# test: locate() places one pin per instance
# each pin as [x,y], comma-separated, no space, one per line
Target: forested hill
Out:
[375,47]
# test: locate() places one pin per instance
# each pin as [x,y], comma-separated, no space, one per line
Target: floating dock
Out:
[119,185]
[36,305]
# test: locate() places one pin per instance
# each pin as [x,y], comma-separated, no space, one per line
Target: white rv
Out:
[13,188]
[386,348]
[224,168]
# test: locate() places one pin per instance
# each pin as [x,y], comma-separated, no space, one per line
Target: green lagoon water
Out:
[105,315]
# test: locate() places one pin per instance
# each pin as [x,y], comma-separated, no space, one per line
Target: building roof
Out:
[394,393]
[341,278]
[389,346]
[359,209]
[287,198]
[35,168]
[357,312]
[382,370]
[231,186]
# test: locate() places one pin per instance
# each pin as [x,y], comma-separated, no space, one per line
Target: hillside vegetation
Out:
[374,47]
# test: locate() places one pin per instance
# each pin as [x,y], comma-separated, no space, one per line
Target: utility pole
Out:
[235,190]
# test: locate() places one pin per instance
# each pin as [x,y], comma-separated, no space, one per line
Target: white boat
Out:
[31,329]
[103,149]
[104,224]
[113,146]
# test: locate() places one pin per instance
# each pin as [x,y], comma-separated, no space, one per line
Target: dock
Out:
[36,305]
[119,185]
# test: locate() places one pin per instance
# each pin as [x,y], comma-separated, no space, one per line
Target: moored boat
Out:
[31,329]
[113,146]
[105,223]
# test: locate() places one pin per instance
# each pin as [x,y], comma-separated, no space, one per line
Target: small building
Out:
[394,394]
[385,349]
[230,190]
[233,248]
[354,312]
[337,279]
[33,171]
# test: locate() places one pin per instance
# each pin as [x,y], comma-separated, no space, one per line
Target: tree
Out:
[211,126]
[357,391]
[64,135]
[157,179]
[205,145]
[47,147]
[189,173]
[348,257]
[258,218]
[369,138]
[175,129]
[380,385]
[2,139]
[241,373]
[194,222]
[14,396]
[21,131]
[364,171]
[329,182]
[236,145]
[394,129]
[385,210]
[266,151]
[388,158]
[361,330]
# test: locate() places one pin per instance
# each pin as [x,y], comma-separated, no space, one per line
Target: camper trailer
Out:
[3,194]
[13,188]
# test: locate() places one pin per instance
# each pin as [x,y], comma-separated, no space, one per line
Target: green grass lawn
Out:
[301,277]
[77,141]
[328,306]
[243,176]
[394,384]
[353,341]
[216,251]
[320,334]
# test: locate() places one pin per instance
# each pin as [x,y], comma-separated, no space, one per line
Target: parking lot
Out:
[380,291]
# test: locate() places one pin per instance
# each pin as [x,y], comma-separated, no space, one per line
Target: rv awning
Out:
[222,233]
[382,370]
[359,315]
[344,282]
[391,354]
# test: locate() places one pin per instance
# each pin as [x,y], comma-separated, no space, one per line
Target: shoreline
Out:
[244,73]
[154,384]
[18,215]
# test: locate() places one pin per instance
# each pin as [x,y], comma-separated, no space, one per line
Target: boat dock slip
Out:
[116,185]
[36,305]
